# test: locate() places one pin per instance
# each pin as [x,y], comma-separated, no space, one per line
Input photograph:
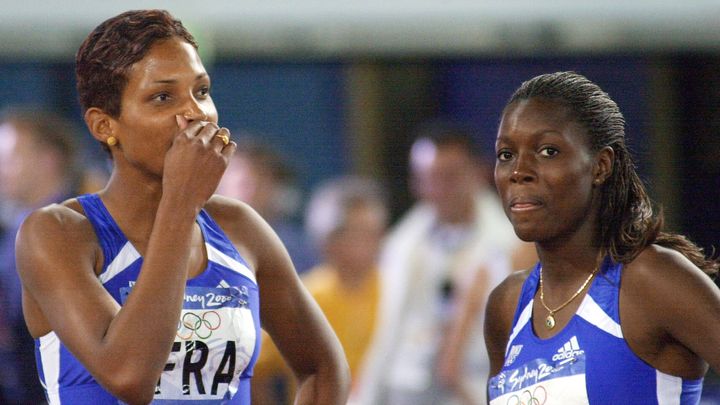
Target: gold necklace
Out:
[550,320]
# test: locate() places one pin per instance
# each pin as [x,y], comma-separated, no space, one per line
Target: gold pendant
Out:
[550,322]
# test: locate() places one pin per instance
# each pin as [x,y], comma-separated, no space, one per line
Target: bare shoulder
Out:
[231,213]
[219,204]
[55,248]
[248,231]
[67,213]
[671,312]
[56,227]
[662,267]
[663,278]
[503,301]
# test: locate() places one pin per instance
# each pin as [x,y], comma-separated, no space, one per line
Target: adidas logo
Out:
[513,353]
[569,351]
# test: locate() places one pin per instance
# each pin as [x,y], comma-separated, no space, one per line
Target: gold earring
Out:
[111,141]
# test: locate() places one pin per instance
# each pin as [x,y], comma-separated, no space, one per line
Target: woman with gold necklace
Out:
[617,310]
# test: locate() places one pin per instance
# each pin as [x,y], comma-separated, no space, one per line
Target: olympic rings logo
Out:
[200,326]
[537,397]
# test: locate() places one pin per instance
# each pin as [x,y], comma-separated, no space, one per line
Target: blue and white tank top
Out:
[588,362]
[216,343]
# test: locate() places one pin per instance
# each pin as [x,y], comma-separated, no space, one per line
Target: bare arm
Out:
[302,333]
[672,313]
[269,368]
[124,348]
[289,314]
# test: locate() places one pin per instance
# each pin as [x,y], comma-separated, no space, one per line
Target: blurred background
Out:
[341,86]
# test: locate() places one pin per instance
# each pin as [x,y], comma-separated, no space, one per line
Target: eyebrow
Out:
[546,132]
[172,81]
[534,135]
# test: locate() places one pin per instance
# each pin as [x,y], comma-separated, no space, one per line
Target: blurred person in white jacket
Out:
[454,244]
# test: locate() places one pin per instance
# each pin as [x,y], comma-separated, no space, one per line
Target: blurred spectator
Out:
[37,167]
[259,176]
[454,243]
[346,218]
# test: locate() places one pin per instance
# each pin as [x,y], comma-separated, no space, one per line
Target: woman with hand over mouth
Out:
[151,289]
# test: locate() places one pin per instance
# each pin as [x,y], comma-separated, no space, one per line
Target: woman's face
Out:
[165,90]
[544,171]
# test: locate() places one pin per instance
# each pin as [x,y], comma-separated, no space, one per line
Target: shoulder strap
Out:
[109,235]
[528,292]
[216,237]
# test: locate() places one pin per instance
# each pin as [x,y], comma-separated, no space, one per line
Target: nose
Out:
[195,115]
[522,172]
[193,111]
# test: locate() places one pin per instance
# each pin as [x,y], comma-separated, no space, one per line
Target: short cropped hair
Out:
[104,58]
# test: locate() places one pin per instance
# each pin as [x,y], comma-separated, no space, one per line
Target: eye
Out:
[549,151]
[504,155]
[161,97]
[204,91]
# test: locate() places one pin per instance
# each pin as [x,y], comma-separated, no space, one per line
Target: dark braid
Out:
[628,223]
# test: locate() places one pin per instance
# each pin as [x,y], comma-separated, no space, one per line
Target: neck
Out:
[569,258]
[132,203]
[565,266]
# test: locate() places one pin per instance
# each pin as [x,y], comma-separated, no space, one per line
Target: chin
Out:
[526,237]
[526,232]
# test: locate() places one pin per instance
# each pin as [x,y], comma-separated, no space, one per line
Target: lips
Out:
[524,203]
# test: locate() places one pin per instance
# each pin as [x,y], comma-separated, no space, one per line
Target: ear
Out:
[603,165]
[100,124]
